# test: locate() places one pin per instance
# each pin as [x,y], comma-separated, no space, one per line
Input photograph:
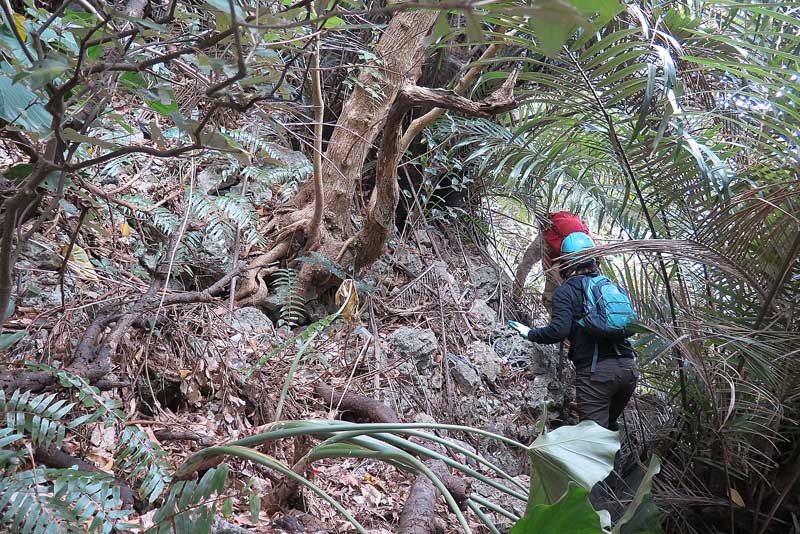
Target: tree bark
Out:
[419,124]
[379,221]
[399,55]
[399,59]
[533,254]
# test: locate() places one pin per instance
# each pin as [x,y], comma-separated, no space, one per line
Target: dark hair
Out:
[569,270]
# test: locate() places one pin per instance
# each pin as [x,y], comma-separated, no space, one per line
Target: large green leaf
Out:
[642,515]
[19,105]
[572,514]
[583,454]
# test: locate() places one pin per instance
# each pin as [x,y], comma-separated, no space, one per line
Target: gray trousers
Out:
[602,395]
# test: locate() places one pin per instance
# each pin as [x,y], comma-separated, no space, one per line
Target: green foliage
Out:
[144,462]
[189,505]
[642,515]
[583,454]
[571,513]
[222,215]
[339,271]
[41,416]
[287,287]
[61,500]
[392,443]
[66,500]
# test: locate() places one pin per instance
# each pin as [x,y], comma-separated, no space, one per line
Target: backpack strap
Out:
[594,358]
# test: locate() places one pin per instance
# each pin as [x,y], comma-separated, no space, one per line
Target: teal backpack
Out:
[608,311]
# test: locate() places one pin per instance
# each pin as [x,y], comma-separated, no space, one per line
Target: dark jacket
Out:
[567,309]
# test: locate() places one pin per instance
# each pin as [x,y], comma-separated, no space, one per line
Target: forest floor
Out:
[428,342]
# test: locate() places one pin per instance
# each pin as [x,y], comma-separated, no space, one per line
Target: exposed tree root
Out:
[93,357]
[364,409]
[419,512]
[254,289]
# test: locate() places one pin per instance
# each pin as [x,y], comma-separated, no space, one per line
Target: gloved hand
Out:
[519,327]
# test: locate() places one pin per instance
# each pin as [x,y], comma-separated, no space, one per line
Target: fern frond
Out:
[238,209]
[287,286]
[61,500]
[144,460]
[40,416]
[187,505]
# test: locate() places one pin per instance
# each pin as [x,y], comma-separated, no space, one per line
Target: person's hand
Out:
[519,327]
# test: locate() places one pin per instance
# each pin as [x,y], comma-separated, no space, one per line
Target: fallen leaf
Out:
[347,300]
[80,262]
[125,229]
[736,497]
[371,495]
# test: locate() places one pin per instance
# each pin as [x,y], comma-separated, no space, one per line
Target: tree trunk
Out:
[379,220]
[400,52]
[532,255]
[399,55]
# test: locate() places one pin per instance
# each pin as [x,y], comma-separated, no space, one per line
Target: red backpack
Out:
[556,228]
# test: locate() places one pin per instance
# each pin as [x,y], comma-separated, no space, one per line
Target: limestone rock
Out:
[42,256]
[272,305]
[486,282]
[249,320]
[521,353]
[508,502]
[483,315]
[465,376]
[415,344]
[485,360]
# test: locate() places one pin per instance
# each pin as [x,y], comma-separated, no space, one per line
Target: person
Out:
[606,374]
[553,229]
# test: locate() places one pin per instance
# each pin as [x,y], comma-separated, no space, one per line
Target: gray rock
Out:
[465,376]
[424,418]
[272,305]
[316,311]
[538,390]
[485,360]
[42,255]
[483,315]
[463,458]
[250,320]
[485,281]
[207,179]
[423,239]
[43,291]
[218,248]
[521,353]
[415,344]
[442,271]
[410,261]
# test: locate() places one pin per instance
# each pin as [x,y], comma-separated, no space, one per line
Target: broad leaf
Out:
[642,515]
[572,514]
[583,454]
[7,340]
[18,105]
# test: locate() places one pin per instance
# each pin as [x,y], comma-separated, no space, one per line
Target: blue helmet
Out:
[576,241]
